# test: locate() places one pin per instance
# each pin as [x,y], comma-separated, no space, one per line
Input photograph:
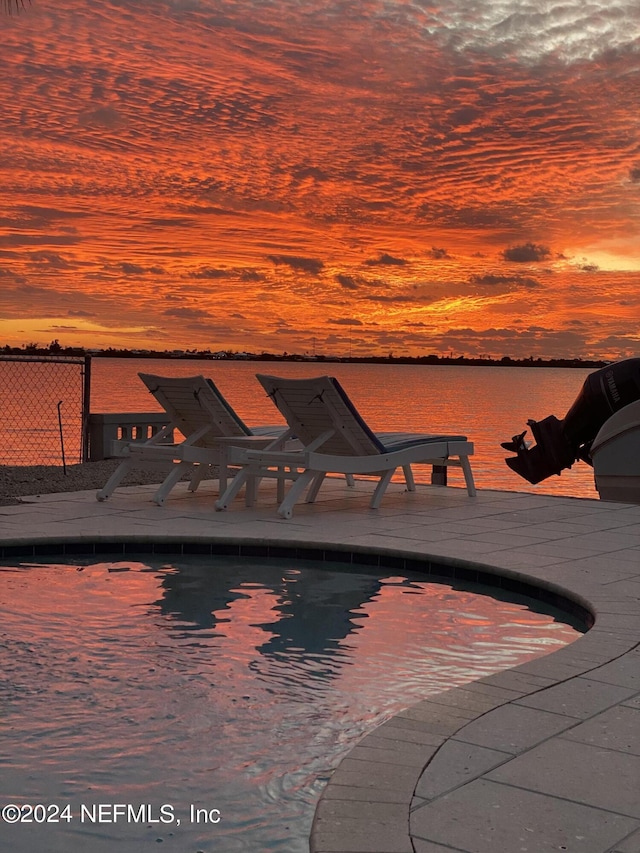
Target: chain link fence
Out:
[44,409]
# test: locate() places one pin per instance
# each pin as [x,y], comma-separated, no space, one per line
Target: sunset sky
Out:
[329,176]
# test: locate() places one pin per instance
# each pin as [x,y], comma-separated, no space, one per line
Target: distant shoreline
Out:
[206,355]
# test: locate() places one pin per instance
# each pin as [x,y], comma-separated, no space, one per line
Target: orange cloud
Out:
[236,175]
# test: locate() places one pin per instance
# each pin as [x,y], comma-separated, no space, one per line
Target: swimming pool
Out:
[210,698]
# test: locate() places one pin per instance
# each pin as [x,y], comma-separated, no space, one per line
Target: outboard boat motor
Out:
[559,443]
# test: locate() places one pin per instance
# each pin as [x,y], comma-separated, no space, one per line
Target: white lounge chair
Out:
[335,439]
[197,409]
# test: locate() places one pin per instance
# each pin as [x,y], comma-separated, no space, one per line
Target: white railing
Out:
[118,426]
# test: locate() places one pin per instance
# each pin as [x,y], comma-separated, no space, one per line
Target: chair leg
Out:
[408,478]
[314,488]
[233,488]
[350,481]
[468,476]
[114,480]
[282,473]
[286,507]
[197,476]
[170,480]
[251,491]
[223,468]
[381,488]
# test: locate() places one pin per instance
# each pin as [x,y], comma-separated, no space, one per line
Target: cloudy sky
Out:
[364,176]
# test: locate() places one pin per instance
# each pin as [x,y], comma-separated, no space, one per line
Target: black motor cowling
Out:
[559,443]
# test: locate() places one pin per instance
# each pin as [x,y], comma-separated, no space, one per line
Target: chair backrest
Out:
[194,402]
[320,405]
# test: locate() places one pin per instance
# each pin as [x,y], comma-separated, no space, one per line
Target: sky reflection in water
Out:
[223,684]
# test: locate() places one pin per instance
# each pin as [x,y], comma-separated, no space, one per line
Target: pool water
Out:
[203,703]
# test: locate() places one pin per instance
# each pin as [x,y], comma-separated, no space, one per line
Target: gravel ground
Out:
[20,481]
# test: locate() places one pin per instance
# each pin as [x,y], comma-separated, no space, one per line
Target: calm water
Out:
[489,404]
[223,684]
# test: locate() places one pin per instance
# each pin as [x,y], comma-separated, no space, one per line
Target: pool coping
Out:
[466,769]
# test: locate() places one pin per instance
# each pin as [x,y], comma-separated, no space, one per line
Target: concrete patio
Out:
[539,758]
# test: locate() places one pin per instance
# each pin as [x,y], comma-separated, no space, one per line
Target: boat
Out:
[602,429]
[615,454]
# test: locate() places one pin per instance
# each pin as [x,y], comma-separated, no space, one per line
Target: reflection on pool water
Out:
[229,686]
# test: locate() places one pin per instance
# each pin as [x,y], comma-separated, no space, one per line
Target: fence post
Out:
[64,461]
[86,409]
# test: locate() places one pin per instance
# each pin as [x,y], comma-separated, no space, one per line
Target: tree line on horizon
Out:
[55,348]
